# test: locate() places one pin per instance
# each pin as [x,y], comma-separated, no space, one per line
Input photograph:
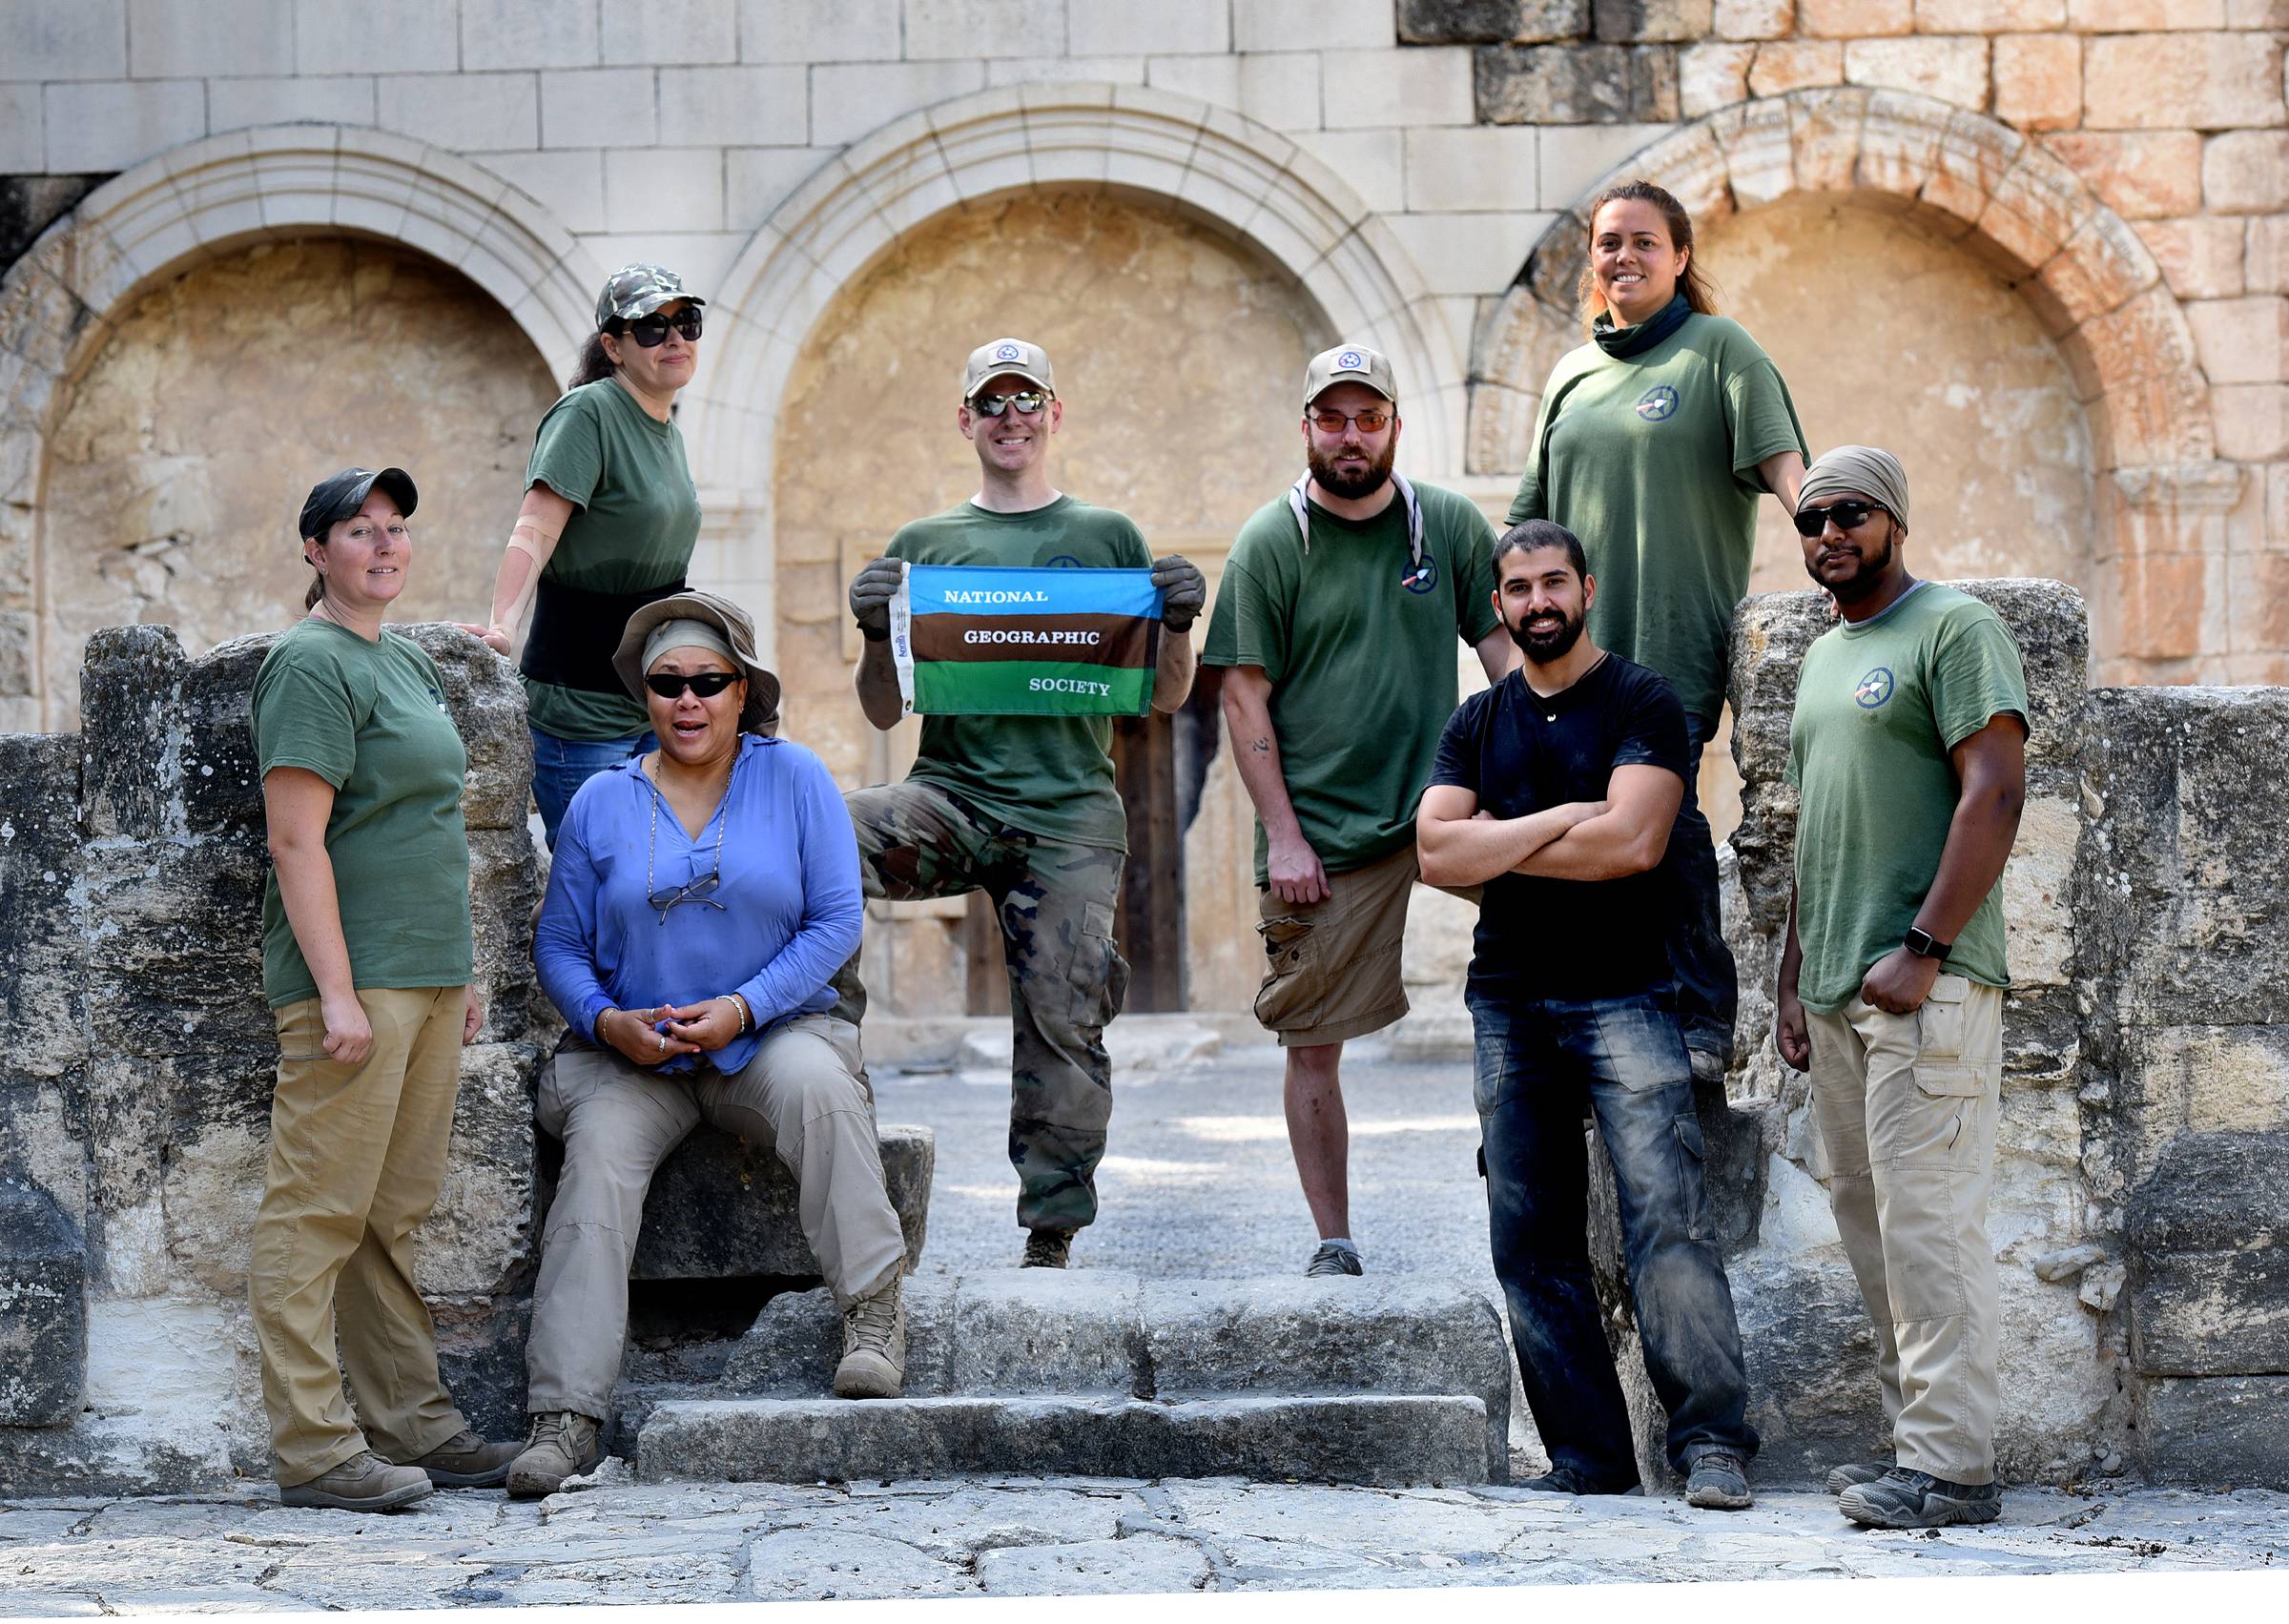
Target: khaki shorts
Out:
[1331,967]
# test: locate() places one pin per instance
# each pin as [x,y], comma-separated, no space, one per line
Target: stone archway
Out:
[2162,497]
[59,302]
[1238,176]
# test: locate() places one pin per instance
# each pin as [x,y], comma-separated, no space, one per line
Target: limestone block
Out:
[1853,19]
[2253,427]
[2209,1239]
[2223,1430]
[1566,84]
[792,1349]
[1791,65]
[484,1226]
[43,1309]
[2038,80]
[2266,266]
[1752,19]
[2243,340]
[732,107]
[578,102]
[383,36]
[1390,89]
[39,859]
[102,128]
[1281,25]
[1492,22]
[2140,175]
[1043,1331]
[1674,21]
[471,112]
[1712,75]
[1098,1567]
[722,1208]
[2202,257]
[1954,69]
[1477,168]
[516,33]
[1812,1353]
[2177,81]
[849,100]
[488,701]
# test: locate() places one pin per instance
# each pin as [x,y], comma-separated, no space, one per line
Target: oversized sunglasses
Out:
[1328,420]
[1847,515]
[651,331]
[1026,401]
[706,684]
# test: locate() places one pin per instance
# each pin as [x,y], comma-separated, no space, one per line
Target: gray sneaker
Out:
[563,1445]
[1331,1260]
[365,1482]
[1905,1498]
[1718,1482]
[874,1345]
[1852,1473]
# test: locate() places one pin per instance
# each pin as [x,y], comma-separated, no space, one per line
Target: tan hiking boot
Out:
[365,1482]
[874,1345]
[466,1461]
[563,1445]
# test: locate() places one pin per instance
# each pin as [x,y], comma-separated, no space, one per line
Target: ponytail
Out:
[593,366]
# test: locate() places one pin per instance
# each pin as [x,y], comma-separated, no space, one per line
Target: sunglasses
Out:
[706,684]
[1329,421]
[1846,515]
[651,331]
[1026,401]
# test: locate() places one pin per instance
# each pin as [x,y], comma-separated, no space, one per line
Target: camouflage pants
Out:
[1055,906]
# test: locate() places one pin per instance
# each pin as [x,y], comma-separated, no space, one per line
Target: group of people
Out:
[701,927]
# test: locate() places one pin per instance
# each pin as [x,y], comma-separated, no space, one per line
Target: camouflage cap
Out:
[1349,363]
[638,290]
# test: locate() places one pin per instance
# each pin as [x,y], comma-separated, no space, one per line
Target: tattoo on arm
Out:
[1261,747]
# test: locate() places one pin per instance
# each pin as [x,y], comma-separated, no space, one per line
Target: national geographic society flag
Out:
[981,642]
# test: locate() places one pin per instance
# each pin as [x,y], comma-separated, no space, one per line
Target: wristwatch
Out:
[1920,943]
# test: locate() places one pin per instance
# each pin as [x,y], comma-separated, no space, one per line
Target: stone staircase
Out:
[1396,1379]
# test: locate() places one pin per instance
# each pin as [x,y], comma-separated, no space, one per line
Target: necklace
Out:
[701,890]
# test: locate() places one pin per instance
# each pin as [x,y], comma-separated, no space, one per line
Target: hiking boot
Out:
[874,1345]
[365,1482]
[1565,1480]
[563,1445]
[1905,1498]
[1718,1482]
[1331,1260]
[1048,1248]
[466,1461]
[1852,1473]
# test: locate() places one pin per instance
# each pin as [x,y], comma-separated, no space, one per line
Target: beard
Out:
[1351,487]
[1873,561]
[1545,648]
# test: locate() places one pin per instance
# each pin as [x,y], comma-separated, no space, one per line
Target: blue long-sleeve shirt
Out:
[789,888]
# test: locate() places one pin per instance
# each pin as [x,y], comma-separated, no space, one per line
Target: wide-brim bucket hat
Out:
[761,712]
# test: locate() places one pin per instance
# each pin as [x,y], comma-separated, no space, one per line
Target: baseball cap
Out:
[1029,361]
[1349,363]
[638,290]
[338,496]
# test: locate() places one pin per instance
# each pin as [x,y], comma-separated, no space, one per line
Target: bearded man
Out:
[1558,790]
[1337,619]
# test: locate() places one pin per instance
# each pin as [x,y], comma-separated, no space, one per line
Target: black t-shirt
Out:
[1520,751]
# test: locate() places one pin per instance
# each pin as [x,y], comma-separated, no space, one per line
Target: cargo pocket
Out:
[1939,1024]
[1097,980]
[1692,1172]
[1284,998]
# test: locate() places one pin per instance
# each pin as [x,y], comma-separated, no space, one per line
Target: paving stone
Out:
[957,1525]
[847,1567]
[1148,1563]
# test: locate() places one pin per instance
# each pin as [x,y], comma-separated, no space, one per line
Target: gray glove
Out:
[1184,591]
[870,591]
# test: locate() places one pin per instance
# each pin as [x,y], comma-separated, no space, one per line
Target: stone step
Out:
[1362,1438]
[1102,1333]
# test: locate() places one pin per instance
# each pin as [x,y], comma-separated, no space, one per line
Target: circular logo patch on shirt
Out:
[1062,561]
[1420,578]
[1657,404]
[1874,689]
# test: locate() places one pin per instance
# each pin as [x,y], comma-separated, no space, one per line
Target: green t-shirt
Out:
[1651,460]
[1359,647]
[370,719]
[1877,708]
[635,516]
[1051,776]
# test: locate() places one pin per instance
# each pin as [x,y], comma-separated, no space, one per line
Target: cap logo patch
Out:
[1006,352]
[1351,360]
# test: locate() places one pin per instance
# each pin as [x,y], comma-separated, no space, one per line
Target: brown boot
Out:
[563,1445]
[874,1345]
[365,1482]
[466,1461]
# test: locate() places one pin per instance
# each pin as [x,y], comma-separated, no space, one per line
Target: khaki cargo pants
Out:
[1055,906]
[1907,1106]
[357,1157]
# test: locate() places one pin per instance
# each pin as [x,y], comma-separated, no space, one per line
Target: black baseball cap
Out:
[338,496]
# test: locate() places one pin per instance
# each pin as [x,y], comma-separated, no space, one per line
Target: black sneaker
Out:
[1852,1473]
[1907,1498]
[1718,1482]
[1332,1260]
[1048,1248]
[1565,1480]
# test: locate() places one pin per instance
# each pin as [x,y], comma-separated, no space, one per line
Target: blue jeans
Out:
[562,766]
[1535,1060]
[1708,986]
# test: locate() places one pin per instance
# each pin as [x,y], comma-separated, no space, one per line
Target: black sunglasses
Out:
[651,331]
[1847,515]
[706,684]
[1026,401]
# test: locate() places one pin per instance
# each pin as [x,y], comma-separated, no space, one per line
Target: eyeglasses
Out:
[701,890]
[651,331]
[1847,515]
[706,684]
[1329,421]
[1026,401]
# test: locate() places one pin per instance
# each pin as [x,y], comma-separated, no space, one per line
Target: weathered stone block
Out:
[2207,80]
[1045,1332]
[2209,1251]
[1491,22]
[43,1309]
[722,1208]
[2140,175]
[2217,1432]
[1673,21]
[1588,84]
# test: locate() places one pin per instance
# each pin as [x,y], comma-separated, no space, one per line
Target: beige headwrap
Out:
[686,634]
[1874,474]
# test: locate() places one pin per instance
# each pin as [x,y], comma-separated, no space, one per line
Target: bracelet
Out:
[740,1004]
[602,1015]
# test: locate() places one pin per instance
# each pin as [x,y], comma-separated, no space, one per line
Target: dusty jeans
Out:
[1055,906]
[357,1157]
[1535,1058]
[802,1094]
[1907,1106]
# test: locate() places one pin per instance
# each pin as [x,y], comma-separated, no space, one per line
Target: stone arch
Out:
[58,302]
[1239,176]
[2003,199]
